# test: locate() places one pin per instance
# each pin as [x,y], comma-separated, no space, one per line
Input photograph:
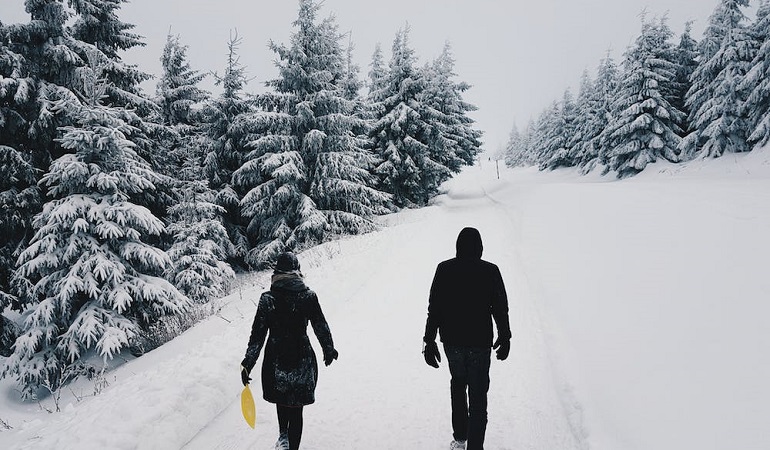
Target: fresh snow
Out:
[638,311]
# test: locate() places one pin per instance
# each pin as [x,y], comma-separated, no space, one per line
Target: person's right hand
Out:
[432,356]
[245,376]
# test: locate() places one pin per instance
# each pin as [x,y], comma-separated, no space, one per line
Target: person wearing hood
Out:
[466,296]
[289,368]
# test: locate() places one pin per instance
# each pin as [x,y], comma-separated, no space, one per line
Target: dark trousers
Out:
[469,368]
[290,424]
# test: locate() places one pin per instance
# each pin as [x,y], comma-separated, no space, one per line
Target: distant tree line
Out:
[119,208]
[674,101]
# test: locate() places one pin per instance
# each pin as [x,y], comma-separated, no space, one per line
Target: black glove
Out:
[503,346]
[245,371]
[330,356]
[432,356]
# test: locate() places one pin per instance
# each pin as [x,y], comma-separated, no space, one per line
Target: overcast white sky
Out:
[518,55]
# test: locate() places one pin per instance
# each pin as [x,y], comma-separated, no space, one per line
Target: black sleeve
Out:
[500,305]
[320,326]
[258,332]
[434,307]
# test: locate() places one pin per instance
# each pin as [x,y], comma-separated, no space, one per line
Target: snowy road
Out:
[380,394]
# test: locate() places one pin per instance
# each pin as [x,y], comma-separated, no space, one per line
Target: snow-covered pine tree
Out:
[95,281]
[757,80]
[558,150]
[514,148]
[454,141]
[177,93]
[19,195]
[585,108]
[308,173]
[201,246]
[375,84]
[605,91]
[30,63]
[19,201]
[687,61]
[97,23]
[351,84]
[400,135]
[200,243]
[716,99]
[224,123]
[39,65]
[546,134]
[528,144]
[378,73]
[645,123]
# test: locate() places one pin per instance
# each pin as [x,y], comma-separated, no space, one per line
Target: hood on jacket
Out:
[287,262]
[469,244]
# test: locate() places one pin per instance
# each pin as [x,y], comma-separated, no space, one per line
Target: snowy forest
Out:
[122,209]
[668,100]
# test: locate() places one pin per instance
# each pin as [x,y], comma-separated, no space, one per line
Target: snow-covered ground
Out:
[639,314]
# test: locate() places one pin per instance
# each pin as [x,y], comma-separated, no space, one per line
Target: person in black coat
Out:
[466,296]
[289,368]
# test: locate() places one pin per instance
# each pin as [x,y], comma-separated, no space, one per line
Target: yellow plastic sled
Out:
[247,406]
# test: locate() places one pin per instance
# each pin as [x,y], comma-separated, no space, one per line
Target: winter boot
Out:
[283,442]
[457,445]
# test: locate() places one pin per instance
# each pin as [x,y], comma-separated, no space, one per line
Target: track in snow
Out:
[380,394]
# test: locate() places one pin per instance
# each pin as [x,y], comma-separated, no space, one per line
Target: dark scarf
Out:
[290,281]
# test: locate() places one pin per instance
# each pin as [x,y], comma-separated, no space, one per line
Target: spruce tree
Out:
[226,131]
[561,138]
[400,135]
[177,95]
[200,243]
[515,148]
[20,198]
[307,174]
[606,88]
[19,201]
[716,99]
[686,58]
[378,73]
[40,65]
[646,124]
[757,81]
[548,134]
[200,247]
[584,111]
[95,282]
[97,23]
[454,141]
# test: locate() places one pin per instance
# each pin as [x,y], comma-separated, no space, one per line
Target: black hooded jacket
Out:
[289,368]
[466,295]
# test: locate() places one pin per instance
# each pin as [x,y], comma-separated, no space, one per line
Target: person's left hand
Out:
[432,356]
[503,347]
[331,356]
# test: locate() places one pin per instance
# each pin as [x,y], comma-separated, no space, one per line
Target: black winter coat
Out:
[289,368]
[466,295]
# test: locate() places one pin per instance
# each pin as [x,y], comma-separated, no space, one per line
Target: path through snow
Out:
[380,394]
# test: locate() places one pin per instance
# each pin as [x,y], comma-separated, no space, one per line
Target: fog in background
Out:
[519,56]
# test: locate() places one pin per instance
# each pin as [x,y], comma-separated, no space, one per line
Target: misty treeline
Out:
[122,209]
[671,100]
